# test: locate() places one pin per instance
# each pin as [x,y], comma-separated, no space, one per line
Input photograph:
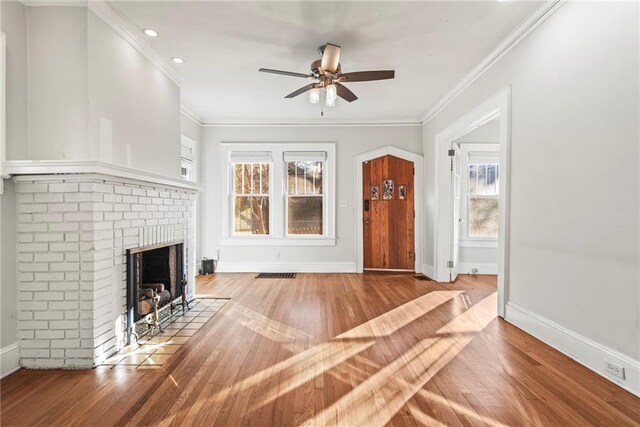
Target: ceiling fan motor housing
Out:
[316,69]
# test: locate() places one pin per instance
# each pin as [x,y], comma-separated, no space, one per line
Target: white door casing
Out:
[455,219]
[498,106]
[417,160]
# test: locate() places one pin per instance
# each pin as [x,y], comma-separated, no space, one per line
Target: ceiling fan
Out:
[328,74]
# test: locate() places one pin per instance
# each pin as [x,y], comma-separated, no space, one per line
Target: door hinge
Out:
[449,264]
[414,214]
[414,170]
[451,153]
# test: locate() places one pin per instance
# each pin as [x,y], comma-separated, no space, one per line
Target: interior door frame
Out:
[498,106]
[417,160]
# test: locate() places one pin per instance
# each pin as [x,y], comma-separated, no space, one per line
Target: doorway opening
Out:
[472,195]
[388,213]
[388,218]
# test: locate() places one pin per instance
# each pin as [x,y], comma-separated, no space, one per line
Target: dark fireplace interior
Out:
[153,272]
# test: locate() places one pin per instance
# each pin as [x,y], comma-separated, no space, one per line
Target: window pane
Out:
[305,215]
[251,178]
[483,217]
[251,215]
[264,171]
[304,178]
[255,178]
[291,177]
[237,178]
[483,179]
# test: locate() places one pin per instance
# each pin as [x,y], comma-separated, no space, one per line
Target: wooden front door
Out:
[388,214]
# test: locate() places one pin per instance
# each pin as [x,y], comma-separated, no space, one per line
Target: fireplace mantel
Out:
[60,168]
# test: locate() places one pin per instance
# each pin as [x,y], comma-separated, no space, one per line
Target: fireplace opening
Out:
[154,281]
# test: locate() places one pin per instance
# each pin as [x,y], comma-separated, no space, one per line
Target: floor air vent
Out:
[421,277]
[276,275]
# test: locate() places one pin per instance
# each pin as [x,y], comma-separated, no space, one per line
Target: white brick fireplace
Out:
[73,233]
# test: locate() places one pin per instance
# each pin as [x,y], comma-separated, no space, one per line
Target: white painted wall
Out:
[194,131]
[134,112]
[86,94]
[57,83]
[14,25]
[350,141]
[8,279]
[574,246]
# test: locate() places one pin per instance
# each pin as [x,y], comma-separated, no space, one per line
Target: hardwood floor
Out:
[322,349]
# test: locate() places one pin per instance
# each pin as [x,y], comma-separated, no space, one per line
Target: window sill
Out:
[479,243]
[278,241]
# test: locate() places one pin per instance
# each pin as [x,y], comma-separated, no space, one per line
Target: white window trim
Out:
[278,193]
[466,152]
[191,163]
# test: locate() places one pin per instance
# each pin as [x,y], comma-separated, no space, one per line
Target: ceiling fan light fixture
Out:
[332,93]
[330,102]
[314,96]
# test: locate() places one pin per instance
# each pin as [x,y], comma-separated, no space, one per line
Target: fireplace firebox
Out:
[154,284]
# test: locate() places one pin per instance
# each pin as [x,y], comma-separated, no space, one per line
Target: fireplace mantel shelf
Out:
[77,167]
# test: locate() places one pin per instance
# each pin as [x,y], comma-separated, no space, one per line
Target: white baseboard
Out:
[581,349]
[427,270]
[286,267]
[9,360]
[483,268]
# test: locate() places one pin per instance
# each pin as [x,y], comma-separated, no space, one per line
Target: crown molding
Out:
[383,123]
[58,3]
[121,26]
[511,41]
[188,112]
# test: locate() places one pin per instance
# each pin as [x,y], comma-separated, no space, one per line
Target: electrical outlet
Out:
[615,370]
[277,255]
[343,203]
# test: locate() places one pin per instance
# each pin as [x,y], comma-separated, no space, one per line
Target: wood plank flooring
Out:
[335,349]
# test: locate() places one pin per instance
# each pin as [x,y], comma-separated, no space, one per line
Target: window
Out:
[305,196]
[251,198]
[480,188]
[188,159]
[482,217]
[280,194]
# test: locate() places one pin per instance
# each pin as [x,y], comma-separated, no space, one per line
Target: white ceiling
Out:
[431,45]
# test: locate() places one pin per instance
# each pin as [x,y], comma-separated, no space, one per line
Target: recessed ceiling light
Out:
[150,32]
[177,60]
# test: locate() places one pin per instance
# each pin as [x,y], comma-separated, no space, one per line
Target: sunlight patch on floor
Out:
[397,382]
[274,330]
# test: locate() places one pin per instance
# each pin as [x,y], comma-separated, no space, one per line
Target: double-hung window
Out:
[305,195]
[481,185]
[251,197]
[283,194]
[483,199]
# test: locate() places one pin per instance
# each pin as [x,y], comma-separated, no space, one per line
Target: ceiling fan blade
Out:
[345,93]
[301,90]
[330,58]
[285,73]
[366,76]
